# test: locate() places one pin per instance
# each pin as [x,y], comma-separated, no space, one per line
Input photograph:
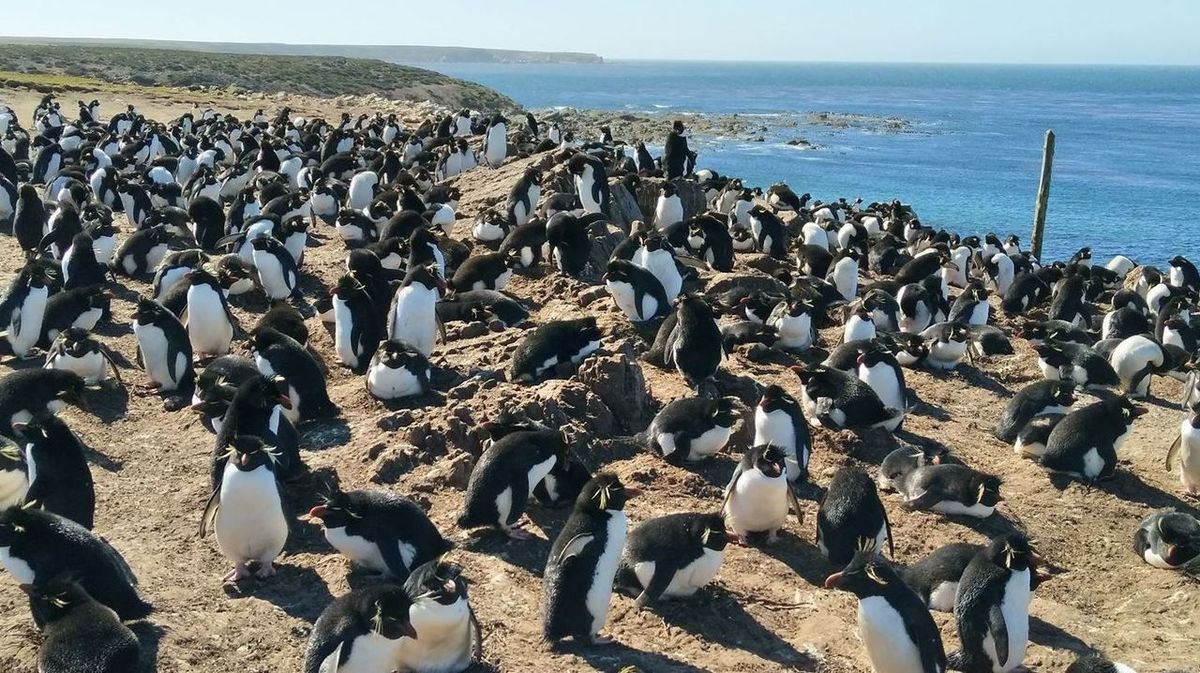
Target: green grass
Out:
[83,66]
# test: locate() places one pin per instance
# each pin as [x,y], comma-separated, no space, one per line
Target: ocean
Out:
[1127,163]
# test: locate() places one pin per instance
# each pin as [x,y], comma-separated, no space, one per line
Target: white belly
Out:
[623,295]
[795,332]
[443,643]
[168,280]
[946,354]
[19,569]
[31,312]
[888,644]
[709,443]
[883,381]
[208,326]
[92,367]
[599,594]
[941,598]
[1093,463]
[415,321]
[776,429]
[343,344]
[270,275]
[688,579]
[389,384]
[1189,455]
[372,653]
[250,524]
[1015,608]
[759,503]
[360,550]
[977,510]
[153,343]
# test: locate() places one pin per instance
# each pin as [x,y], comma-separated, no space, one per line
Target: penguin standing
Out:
[793,320]
[79,633]
[591,183]
[164,348]
[673,556]
[668,209]
[59,478]
[779,421]
[449,635]
[80,266]
[559,342]
[26,307]
[245,510]
[524,197]
[29,221]
[692,429]
[209,321]
[893,623]
[412,318]
[504,477]
[276,353]
[1186,449]
[655,255]
[879,369]
[357,331]
[692,341]
[583,562]
[361,632]
[380,531]
[1084,445]
[851,516]
[992,606]
[495,141]
[758,497]
[277,272]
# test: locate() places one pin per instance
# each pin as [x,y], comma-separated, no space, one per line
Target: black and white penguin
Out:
[879,369]
[449,637]
[948,343]
[992,606]
[80,267]
[793,321]
[1186,450]
[1085,443]
[949,488]
[495,141]
[361,632]
[668,209]
[59,478]
[935,577]
[412,317]
[555,343]
[673,556]
[379,530]
[1183,274]
[851,516]
[258,406]
[591,183]
[30,218]
[779,421]
[859,325]
[655,255]
[524,197]
[1031,441]
[245,509]
[25,393]
[1135,360]
[276,353]
[79,633]
[690,341]
[164,349]
[758,496]
[504,477]
[25,305]
[487,271]
[208,320]
[569,242]
[1168,539]
[277,273]
[1039,397]
[76,350]
[142,251]
[284,317]
[971,307]
[636,291]
[893,622]
[838,399]
[397,370]
[692,429]
[40,546]
[770,234]
[583,562]
[357,329]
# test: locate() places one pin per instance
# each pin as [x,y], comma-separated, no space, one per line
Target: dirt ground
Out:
[765,612]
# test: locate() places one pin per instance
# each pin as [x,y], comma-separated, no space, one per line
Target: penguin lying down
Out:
[941,487]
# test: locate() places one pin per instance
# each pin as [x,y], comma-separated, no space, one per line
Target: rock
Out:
[453,471]
[465,390]
[392,463]
[395,421]
[592,295]
[563,400]
[469,331]
[605,239]
[618,382]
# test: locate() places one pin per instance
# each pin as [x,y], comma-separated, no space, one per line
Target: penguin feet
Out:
[519,533]
[265,570]
[772,537]
[597,639]
[239,573]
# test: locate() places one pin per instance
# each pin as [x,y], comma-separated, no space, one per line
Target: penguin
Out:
[481,305]
[361,632]
[770,234]
[25,305]
[59,478]
[1097,664]
[357,330]
[397,370]
[1076,363]
[1186,449]
[412,317]
[277,273]
[551,344]
[208,320]
[690,341]
[668,208]
[758,497]
[935,578]
[30,218]
[991,607]
[245,510]
[143,251]
[449,633]
[779,421]
[656,256]
[37,547]
[258,407]
[523,198]
[79,633]
[692,429]
[276,353]
[284,317]
[1031,441]
[859,326]
[569,242]
[80,267]
[1183,274]
[1168,540]
[636,291]
[1084,445]
[504,477]
[591,183]
[851,516]
[1040,397]
[948,343]
[893,622]
[487,271]
[673,556]
[879,369]
[1135,360]
[837,399]
[527,240]
[164,348]
[843,274]
[27,392]
[950,489]
[495,141]
[380,531]
[793,321]
[583,562]
[971,307]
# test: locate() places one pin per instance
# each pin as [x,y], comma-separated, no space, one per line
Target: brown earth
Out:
[765,612]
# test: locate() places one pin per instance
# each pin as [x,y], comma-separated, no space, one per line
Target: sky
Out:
[1146,32]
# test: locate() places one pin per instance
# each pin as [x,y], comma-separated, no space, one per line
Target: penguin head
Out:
[618,271]
[76,342]
[867,574]
[248,453]
[387,611]
[768,459]
[986,489]
[265,392]
[976,290]
[346,287]
[1179,533]
[16,522]
[1123,408]
[55,598]
[44,426]
[668,190]
[427,276]
[438,581]
[338,510]
[898,464]
[1063,394]
[604,493]
[774,397]
[709,531]
[725,411]
[148,311]
[395,355]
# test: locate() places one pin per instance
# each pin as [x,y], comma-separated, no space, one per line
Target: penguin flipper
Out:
[476,636]
[737,472]
[389,549]
[661,579]
[795,505]
[1173,452]
[999,630]
[209,518]
[887,526]
[332,662]
[575,547]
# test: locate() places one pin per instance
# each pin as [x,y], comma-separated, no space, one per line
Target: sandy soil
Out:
[766,611]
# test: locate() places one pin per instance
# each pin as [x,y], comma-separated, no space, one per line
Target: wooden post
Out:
[1043,196]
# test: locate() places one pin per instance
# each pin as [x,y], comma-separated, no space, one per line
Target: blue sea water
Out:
[1126,169]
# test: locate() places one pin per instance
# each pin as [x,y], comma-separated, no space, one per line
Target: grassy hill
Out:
[310,75]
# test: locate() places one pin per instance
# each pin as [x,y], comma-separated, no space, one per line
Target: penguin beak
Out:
[244,459]
[408,630]
[317,512]
[285,402]
[861,359]
[833,581]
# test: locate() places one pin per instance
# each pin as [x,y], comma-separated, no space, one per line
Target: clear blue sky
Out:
[939,31]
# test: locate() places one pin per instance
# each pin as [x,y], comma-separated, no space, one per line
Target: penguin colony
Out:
[184,217]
